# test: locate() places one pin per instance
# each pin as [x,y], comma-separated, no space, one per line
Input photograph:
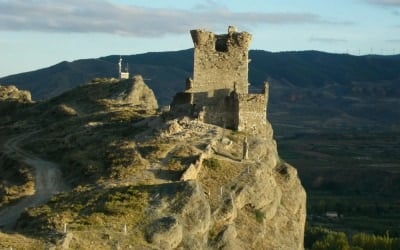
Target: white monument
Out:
[122,74]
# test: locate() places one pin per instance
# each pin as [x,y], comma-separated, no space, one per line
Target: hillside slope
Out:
[145,180]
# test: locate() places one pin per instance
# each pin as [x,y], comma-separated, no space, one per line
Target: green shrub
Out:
[212,163]
[260,215]
[332,241]
[372,242]
[319,238]
[314,234]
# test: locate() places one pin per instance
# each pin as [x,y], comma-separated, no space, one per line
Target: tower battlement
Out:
[222,43]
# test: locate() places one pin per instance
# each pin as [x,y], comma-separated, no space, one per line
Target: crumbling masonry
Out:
[218,93]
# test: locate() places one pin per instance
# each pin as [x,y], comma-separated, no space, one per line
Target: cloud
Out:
[83,16]
[384,2]
[327,40]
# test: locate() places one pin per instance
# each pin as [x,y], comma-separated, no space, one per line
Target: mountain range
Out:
[363,89]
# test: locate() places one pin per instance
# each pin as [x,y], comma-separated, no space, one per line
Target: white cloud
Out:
[384,2]
[101,16]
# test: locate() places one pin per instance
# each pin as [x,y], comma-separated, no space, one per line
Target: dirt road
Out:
[48,181]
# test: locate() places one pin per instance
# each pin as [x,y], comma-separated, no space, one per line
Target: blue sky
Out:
[40,33]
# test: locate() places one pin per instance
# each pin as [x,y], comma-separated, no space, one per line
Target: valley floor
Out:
[354,173]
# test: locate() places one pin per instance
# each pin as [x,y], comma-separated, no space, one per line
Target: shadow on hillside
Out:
[168,175]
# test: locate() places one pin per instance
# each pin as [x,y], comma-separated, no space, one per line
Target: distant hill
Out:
[305,83]
[159,69]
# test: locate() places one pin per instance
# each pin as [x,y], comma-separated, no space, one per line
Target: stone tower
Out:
[218,93]
[221,61]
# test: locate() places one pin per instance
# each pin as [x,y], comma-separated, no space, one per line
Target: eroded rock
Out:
[140,94]
[12,93]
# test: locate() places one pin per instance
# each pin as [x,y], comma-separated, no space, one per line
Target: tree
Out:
[332,241]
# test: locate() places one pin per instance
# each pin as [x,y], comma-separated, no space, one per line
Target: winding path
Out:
[48,181]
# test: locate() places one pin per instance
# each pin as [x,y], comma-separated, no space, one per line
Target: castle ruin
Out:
[218,93]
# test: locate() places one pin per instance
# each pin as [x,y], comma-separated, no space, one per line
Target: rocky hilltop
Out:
[205,174]
[173,182]
[140,94]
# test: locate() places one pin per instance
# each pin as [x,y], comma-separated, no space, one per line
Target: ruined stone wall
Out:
[220,61]
[252,113]
[222,113]
[217,109]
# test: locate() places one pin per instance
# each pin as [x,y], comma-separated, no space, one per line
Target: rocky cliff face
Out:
[228,202]
[205,188]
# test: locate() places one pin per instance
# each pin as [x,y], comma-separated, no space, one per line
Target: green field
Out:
[353,172]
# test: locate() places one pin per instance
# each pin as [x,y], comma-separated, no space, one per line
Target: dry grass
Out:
[20,242]
[67,110]
[16,180]
[102,238]
[124,160]
[86,209]
[249,228]
[213,178]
